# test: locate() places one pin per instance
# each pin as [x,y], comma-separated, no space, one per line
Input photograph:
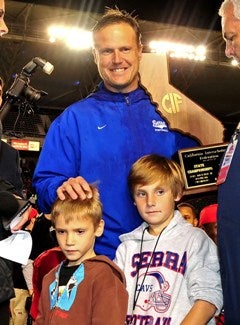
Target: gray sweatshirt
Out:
[169,273]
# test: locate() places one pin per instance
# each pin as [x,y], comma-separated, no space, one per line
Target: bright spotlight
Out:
[179,50]
[74,38]
[234,62]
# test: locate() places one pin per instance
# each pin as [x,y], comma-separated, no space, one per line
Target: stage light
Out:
[74,38]
[234,62]
[178,50]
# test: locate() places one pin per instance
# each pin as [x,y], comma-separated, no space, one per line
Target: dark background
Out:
[194,13]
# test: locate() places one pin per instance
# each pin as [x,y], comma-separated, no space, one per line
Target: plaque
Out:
[201,165]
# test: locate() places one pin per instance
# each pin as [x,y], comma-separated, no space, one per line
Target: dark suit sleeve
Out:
[10,169]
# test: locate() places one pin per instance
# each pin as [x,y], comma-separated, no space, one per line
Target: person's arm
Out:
[57,171]
[120,256]
[43,312]
[28,274]
[203,279]
[200,313]
[110,299]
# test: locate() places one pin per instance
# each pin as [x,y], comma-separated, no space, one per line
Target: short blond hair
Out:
[155,168]
[71,209]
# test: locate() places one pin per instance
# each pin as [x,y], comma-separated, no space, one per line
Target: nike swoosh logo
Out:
[102,127]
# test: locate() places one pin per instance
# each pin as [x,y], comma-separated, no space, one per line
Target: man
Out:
[188,212]
[229,180]
[98,138]
[3,27]
[4,306]
[10,170]
[9,159]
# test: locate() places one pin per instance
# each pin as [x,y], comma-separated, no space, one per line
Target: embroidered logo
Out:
[160,126]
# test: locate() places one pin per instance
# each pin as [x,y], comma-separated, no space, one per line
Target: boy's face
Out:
[77,237]
[155,204]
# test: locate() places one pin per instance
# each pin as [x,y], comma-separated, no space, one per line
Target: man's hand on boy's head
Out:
[76,187]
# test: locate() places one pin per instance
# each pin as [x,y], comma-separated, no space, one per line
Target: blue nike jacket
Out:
[99,138]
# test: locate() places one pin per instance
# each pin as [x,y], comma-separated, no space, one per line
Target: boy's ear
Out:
[100,228]
[178,198]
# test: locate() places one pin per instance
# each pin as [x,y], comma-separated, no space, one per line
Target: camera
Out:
[20,91]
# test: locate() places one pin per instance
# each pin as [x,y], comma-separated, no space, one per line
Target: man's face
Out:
[231,33]
[117,54]
[3,27]
[188,214]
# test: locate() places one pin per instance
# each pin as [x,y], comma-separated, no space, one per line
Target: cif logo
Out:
[171,103]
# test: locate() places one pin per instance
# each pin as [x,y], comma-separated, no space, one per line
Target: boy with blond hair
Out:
[85,288]
[171,267]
